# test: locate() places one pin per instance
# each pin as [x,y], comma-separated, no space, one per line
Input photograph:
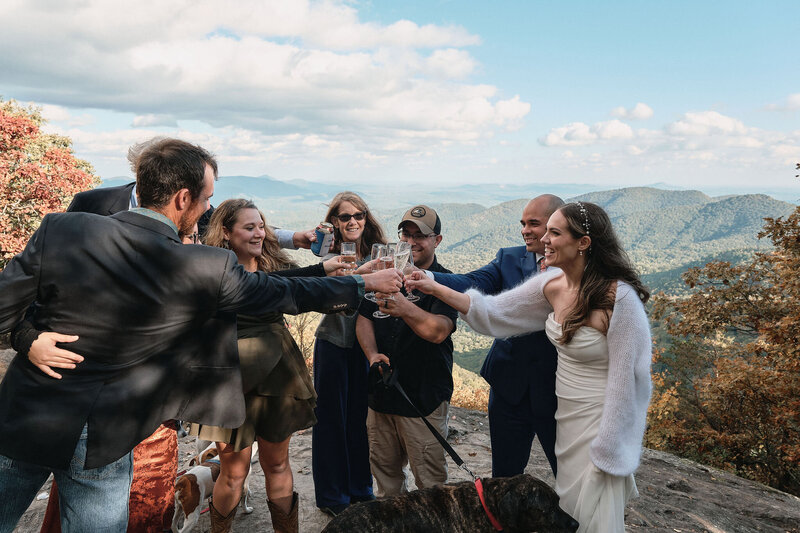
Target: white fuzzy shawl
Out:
[523,309]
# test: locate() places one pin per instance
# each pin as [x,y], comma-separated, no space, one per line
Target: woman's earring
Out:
[580,252]
[226,244]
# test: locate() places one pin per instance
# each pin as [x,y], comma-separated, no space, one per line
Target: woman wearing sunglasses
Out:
[340,452]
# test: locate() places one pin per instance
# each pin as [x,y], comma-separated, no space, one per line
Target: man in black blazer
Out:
[140,303]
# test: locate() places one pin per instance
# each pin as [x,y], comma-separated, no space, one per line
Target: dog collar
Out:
[492,519]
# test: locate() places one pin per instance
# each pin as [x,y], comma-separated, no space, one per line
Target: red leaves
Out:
[15,130]
[38,175]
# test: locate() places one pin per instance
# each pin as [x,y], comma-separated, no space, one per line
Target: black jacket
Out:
[144,306]
[103,201]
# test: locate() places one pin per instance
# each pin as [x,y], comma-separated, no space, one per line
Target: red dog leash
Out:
[492,519]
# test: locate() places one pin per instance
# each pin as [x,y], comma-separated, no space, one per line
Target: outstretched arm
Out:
[417,280]
[517,311]
[488,279]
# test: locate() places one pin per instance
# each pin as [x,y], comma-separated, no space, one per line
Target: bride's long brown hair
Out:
[606,263]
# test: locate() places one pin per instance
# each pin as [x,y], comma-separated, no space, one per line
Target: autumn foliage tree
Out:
[38,175]
[727,389]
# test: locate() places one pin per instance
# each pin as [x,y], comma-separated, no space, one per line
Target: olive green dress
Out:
[278,392]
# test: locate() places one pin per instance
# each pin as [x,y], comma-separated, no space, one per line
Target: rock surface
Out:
[676,495]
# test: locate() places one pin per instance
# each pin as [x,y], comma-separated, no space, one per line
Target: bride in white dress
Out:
[591,308]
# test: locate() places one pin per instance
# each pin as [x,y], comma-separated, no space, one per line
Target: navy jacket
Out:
[519,364]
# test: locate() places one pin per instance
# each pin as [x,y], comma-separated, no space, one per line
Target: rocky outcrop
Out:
[675,495]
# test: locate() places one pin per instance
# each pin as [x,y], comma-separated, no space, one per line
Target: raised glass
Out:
[348,254]
[386,261]
[410,296]
[377,251]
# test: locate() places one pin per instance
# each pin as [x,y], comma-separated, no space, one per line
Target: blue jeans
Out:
[92,500]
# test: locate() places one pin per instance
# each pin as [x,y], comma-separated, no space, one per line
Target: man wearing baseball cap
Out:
[415,341]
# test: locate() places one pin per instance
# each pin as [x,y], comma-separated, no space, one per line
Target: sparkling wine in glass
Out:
[401,255]
[376,252]
[348,253]
[410,296]
[386,261]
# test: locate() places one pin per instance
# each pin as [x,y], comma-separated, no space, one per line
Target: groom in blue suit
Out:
[521,370]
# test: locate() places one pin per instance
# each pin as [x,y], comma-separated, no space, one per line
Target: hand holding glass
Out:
[386,261]
[377,251]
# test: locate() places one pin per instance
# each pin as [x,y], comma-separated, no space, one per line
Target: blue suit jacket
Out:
[519,364]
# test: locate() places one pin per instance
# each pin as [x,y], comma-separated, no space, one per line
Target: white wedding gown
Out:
[594,498]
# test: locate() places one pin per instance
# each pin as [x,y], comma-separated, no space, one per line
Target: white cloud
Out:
[268,66]
[706,123]
[573,134]
[638,112]
[150,120]
[792,103]
[706,139]
[787,152]
[54,113]
[62,115]
[450,63]
[578,133]
[612,129]
[634,150]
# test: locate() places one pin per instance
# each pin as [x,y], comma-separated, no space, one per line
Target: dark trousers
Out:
[512,428]
[340,450]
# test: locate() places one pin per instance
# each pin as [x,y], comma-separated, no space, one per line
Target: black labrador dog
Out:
[520,504]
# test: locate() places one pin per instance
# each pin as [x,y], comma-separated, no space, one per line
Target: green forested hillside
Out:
[619,202]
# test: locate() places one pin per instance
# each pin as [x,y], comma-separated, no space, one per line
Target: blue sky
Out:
[693,94]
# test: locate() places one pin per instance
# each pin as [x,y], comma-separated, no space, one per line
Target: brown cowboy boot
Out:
[284,522]
[219,523]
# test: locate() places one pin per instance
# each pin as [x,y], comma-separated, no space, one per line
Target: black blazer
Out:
[142,304]
[103,201]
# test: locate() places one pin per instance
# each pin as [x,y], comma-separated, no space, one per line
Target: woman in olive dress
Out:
[279,394]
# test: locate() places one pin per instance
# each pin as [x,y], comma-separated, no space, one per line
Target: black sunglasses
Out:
[345,217]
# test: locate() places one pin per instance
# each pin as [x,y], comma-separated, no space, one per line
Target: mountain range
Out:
[663,230]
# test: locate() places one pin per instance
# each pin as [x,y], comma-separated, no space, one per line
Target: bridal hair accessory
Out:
[585,217]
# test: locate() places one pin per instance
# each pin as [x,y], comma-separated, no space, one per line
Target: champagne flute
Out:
[376,252]
[410,296]
[401,254]
[348,253]
[386,261]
